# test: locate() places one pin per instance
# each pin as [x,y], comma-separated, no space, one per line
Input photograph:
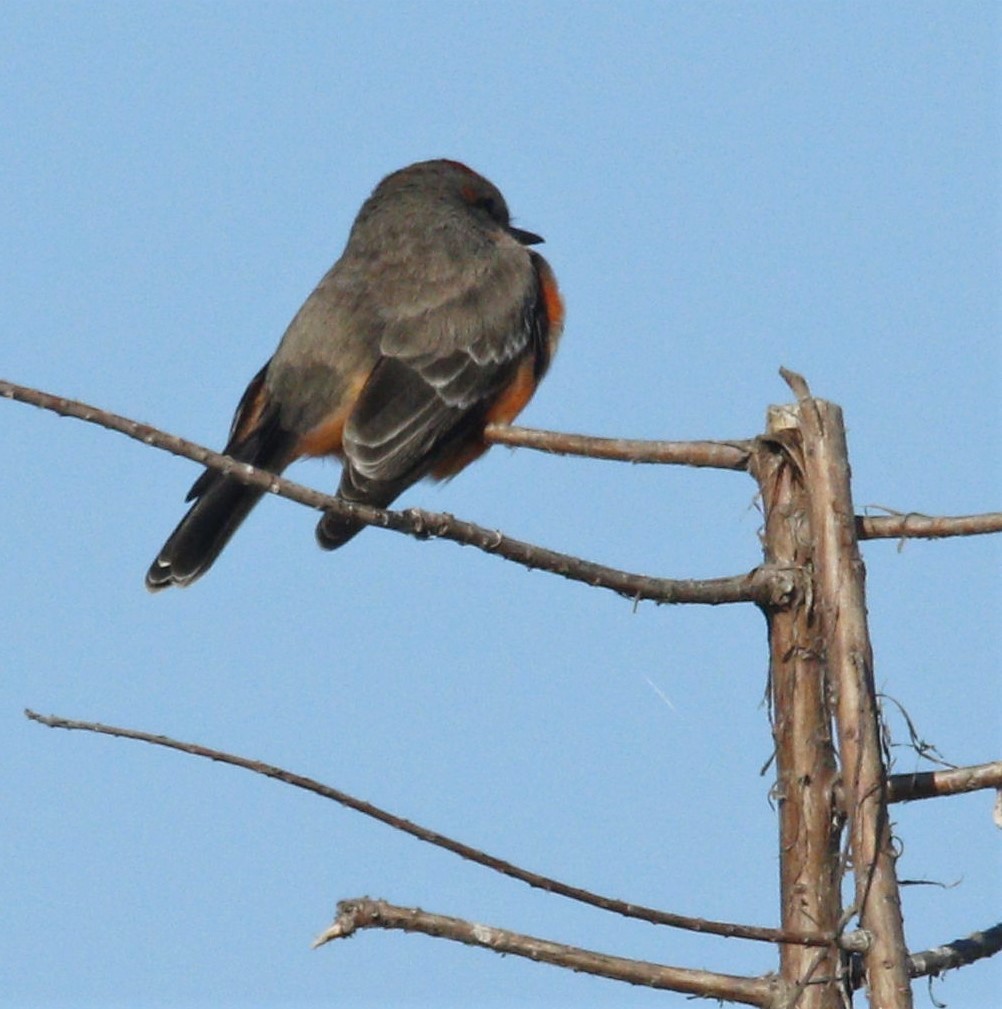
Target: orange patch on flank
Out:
[328,436]
[554,304]
[503,411]
[512,401]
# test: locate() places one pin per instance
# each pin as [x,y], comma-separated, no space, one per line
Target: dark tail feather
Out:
[334,530]
[222,503]
[201,535]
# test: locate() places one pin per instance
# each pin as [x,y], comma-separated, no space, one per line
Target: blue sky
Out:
[724,188]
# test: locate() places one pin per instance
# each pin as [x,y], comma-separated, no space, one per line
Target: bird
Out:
[438,318]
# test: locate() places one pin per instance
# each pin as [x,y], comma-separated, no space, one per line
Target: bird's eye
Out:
[488,203]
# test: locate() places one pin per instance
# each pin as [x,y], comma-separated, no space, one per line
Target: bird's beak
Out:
[526,237]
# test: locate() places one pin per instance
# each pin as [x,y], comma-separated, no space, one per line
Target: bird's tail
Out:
[222,503]
[201,535]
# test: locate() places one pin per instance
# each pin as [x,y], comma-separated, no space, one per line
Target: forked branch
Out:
[765,586]
[735,454]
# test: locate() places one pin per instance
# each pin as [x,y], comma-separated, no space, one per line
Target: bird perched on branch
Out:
[437,320]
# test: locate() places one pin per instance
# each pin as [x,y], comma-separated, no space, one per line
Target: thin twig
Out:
[914,525]
[763,585]
[955,781]
[958,953]
[533,879]
[713,454]
[353,915]
[921,748]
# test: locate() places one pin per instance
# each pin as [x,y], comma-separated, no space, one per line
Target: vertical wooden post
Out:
[806,774]
[840,602]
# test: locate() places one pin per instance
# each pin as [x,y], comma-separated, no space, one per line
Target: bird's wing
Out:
[437,376]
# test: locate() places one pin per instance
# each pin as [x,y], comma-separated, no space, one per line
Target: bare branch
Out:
[950,956]
[733,454]
[353,915]
[954,781]
[767,586]
[713,454]
[764,586]
[914,525]
[958,953]
[533,879]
